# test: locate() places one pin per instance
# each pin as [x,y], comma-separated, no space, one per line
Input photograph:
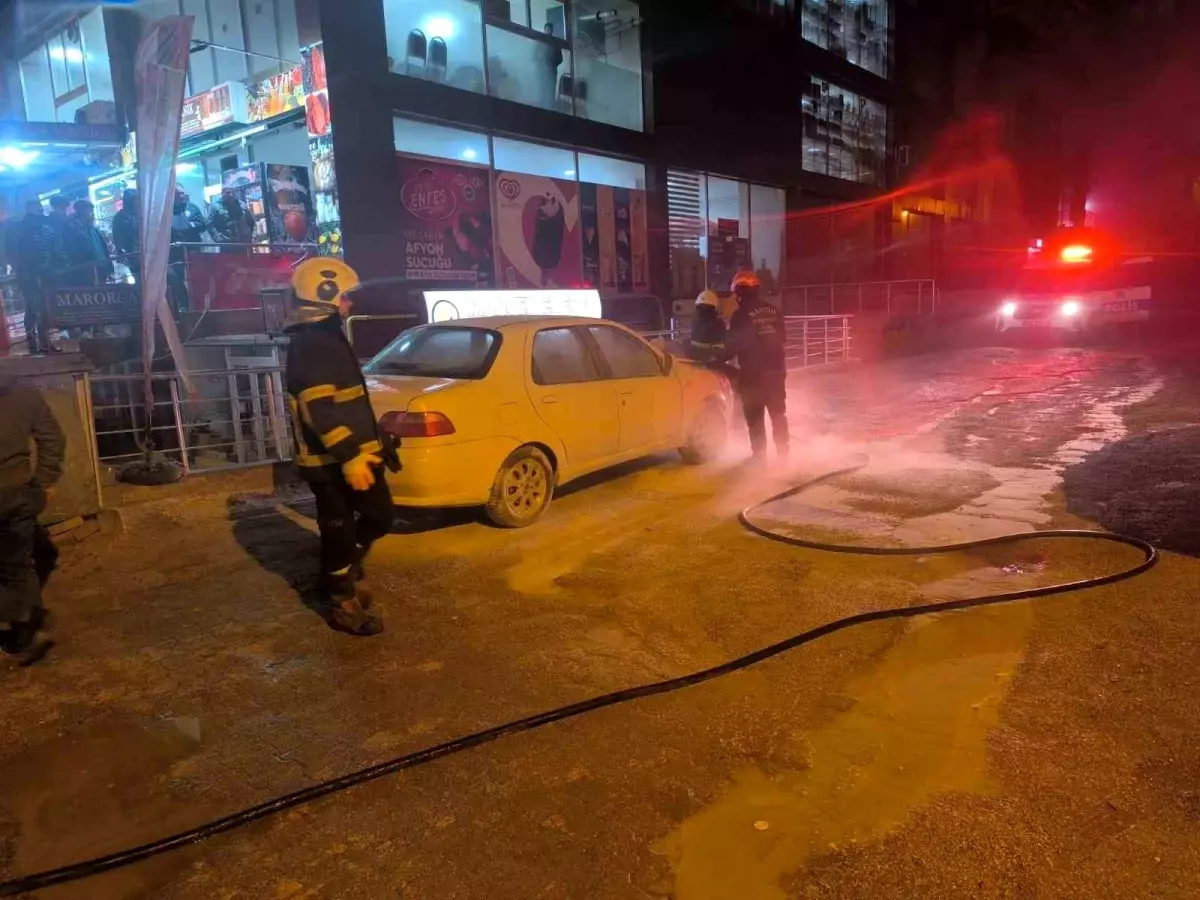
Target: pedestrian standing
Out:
[32,255]
[24,489]
[756,337]
[339,449]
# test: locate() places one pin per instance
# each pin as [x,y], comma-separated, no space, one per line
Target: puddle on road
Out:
[919,721]
[917,728]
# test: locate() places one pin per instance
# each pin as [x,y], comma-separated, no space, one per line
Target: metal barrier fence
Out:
[917,297]
[239,418]
[816,340]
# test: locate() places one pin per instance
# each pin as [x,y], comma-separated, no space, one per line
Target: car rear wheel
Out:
[522,490]
[708,435]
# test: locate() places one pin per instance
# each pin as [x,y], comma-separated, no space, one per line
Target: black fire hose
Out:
[88,868]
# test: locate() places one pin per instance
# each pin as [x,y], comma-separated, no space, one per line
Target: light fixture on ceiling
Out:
[439,27]
[570,173]
[16,157]
[469,153]
[70,54]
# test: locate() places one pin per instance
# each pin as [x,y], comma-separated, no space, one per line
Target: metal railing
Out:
[238,418]
[816,340]
[910,297]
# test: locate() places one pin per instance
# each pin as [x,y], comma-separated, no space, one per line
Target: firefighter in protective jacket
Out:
[756,335]
[339,447]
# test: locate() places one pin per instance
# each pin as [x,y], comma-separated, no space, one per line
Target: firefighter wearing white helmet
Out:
[756,338]
[339,449]
[707,341]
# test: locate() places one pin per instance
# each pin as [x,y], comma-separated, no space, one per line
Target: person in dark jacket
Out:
[56,224]
[707,340]
[756,337]
[24,489]
[187,227]
[230,221]
[126,232]
[34,243]
[89,261]
[339,449]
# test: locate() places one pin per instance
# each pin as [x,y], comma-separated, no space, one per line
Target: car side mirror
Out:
[666,363]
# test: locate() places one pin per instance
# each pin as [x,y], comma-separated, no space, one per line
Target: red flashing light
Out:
[1076,253]
[416,424]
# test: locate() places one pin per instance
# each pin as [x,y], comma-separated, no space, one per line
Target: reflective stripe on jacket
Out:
[332,418]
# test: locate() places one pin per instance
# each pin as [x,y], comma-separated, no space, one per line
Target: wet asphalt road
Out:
[1027,751]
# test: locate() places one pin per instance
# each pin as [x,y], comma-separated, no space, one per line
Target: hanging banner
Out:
[320,150]
[624,240]
[615,253]
[589,215]
[639,230]
[538,226]
[160,71]
[446,223]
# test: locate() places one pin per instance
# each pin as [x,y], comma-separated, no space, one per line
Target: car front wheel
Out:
[522,490]
[708,435]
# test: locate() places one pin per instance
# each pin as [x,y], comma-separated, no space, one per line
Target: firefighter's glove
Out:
[360,471]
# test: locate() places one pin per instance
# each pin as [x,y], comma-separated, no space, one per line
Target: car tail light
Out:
[416,424]
[1076,253]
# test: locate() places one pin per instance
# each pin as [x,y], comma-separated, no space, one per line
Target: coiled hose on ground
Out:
[88,868]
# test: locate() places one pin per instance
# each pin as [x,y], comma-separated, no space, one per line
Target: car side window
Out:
[560,356]
[627,356]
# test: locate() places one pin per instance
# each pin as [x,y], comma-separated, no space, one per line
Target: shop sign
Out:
[107,304]
[446,222]
[222,105]
[447,306]
[276,95]
[538,227]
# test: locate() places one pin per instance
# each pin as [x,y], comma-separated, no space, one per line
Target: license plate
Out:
[1121,306]
[1034,323]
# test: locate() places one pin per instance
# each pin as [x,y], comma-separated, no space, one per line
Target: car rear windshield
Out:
[437,351]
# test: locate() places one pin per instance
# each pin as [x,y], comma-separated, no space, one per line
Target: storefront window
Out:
[845,135]
[440,142]
[608,62]
[533,159]
[768,219]
[438,40]
[582,58]
[529,69]
[68,77]
[718,226]
[855,30]
[616,172]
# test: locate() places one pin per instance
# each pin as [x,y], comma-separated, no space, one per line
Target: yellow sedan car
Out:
[498,412]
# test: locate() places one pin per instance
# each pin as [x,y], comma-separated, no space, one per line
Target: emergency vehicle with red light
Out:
[1076,282]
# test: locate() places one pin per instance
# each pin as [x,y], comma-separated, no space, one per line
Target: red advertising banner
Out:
[447,223]
[235,279]
[538,226]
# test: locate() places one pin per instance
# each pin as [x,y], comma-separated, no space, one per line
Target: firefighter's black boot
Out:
[363,591]
[346,611]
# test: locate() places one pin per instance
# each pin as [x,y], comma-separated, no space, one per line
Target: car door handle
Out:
[549,398]
[629,393]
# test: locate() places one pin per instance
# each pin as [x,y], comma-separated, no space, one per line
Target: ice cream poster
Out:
[614,239]
[538,226]
[447,222]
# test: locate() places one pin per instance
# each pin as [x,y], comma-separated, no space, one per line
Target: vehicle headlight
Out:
[1071,308]
[1009,309]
